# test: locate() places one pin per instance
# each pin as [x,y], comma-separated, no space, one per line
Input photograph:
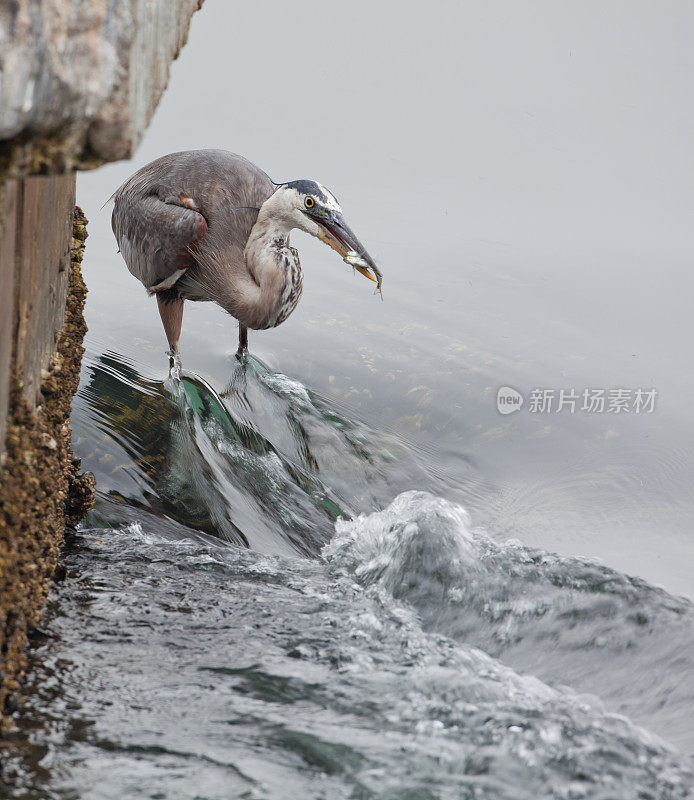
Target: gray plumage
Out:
[210,225]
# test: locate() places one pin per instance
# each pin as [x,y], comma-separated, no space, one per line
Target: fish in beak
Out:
[335,232]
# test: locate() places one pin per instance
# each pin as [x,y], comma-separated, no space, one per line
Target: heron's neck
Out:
[268,237]
[266,250]
[274,267]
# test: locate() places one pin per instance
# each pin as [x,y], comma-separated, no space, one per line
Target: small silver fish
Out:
[355,260]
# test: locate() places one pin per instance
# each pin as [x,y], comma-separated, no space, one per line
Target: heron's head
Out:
[312,208]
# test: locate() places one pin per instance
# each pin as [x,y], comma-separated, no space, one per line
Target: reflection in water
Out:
[266,464]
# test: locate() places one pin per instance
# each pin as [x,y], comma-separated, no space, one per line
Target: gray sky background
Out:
[546,139]
[475,147]
[537,120]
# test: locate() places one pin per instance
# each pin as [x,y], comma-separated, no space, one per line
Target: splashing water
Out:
[349,645]
[566,620]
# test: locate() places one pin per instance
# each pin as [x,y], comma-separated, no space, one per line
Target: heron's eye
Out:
[309,202]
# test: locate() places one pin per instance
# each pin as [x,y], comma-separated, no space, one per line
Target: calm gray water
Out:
[339,571]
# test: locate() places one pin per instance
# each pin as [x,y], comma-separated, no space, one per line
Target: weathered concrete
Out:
[79,81]
[8,200]
[42,260]
[34,261]
[40,488]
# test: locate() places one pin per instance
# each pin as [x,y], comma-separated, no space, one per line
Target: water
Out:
[225,673]
[338,571]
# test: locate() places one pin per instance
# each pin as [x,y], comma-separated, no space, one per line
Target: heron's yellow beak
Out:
[365,272]
[334,231]
[327,236]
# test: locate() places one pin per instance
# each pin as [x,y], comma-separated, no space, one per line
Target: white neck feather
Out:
[273,266]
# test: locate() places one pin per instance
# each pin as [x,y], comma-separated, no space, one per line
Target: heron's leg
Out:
[243,342]
[171,313]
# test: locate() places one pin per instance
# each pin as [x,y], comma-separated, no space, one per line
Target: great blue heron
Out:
[210,225]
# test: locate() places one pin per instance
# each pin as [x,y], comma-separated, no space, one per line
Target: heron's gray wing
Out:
[157,237]
[185,218]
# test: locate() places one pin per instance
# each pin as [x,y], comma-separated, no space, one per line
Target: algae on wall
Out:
[40,486]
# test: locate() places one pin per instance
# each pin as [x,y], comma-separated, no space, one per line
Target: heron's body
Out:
[210,225]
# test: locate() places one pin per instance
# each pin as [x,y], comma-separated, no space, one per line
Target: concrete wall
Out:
[79,80]
[7,244]
[40,486]
[34,261]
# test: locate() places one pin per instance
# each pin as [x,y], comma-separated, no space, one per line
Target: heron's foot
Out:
[175,364]
[242,354]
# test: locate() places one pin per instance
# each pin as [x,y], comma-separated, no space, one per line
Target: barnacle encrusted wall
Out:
[41,489]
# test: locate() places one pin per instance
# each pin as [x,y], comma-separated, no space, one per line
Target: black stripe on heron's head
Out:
[306,187]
